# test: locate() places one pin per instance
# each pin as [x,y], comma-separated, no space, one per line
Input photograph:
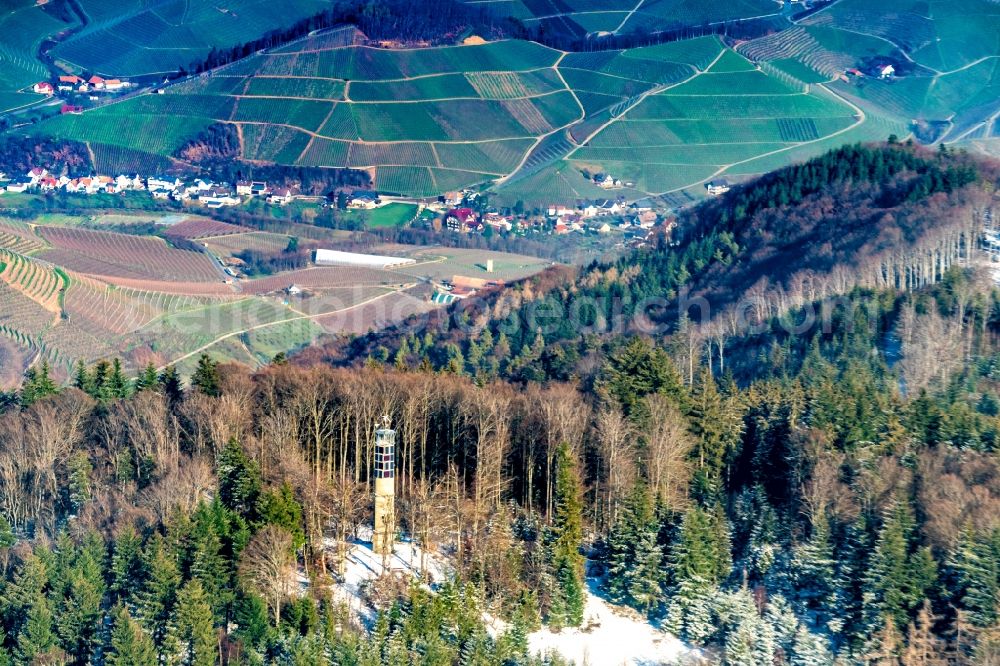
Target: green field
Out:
[390,215]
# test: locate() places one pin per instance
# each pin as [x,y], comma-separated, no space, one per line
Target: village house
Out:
[886,71]
[606,181]
[717,187]
[197,187]
[70,109]
[168,183]
[96,82]
[217,197]
[645,220]
[642,205]
[124,182]
[498,222]
[560,210]
[281,196]
[44,88]
[106,184]
[243,188]
[462,220]
[19,185]
[48,184]
[452,198]
[35,174]
[364,199]
[114,85]
[67,83]
[258,188]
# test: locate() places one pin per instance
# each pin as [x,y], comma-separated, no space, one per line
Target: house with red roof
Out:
[44,88]
[461,219]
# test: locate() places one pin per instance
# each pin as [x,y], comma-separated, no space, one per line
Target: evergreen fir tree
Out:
[898,577]
[155,600]
[717,426]
[130,645]
[8,539]
[80,470]
[206,376]
[126,566]
[696,567]
[78,615]
[810,649]
[147,379]
[118,383]
[81,378]
[191,634]
[36,638]
[644,587]
[567,536]
[38,384]
[171,383]
[19,595]
[976,563]
[239,481]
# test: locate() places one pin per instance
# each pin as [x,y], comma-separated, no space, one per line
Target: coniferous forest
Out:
[795,465]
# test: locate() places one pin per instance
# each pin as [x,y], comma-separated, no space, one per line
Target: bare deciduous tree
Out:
[266,565]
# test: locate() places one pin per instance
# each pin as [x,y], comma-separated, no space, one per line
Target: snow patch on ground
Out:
[611,636]
[364,565]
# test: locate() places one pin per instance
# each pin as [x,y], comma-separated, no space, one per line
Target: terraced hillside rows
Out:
[24,24]
[425,119]
[41,283]
[579,18]
[533,120]
[19,237]
[137,37]
[727,117]
[84,295]
[946,55]
[102,253]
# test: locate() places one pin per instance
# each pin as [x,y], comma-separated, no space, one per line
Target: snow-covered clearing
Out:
[612,636]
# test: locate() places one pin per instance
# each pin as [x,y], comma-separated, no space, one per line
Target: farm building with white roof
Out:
[338,258]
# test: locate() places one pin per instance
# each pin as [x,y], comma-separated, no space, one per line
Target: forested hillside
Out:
[776,493]
[881,217]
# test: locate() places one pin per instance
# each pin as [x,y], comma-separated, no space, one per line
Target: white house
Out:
[560,210]
[717,187]
[885,71]
[243,188]
[364,199]
[163,182]
[35,174]
[281,196]
[219,197]
[44,88]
